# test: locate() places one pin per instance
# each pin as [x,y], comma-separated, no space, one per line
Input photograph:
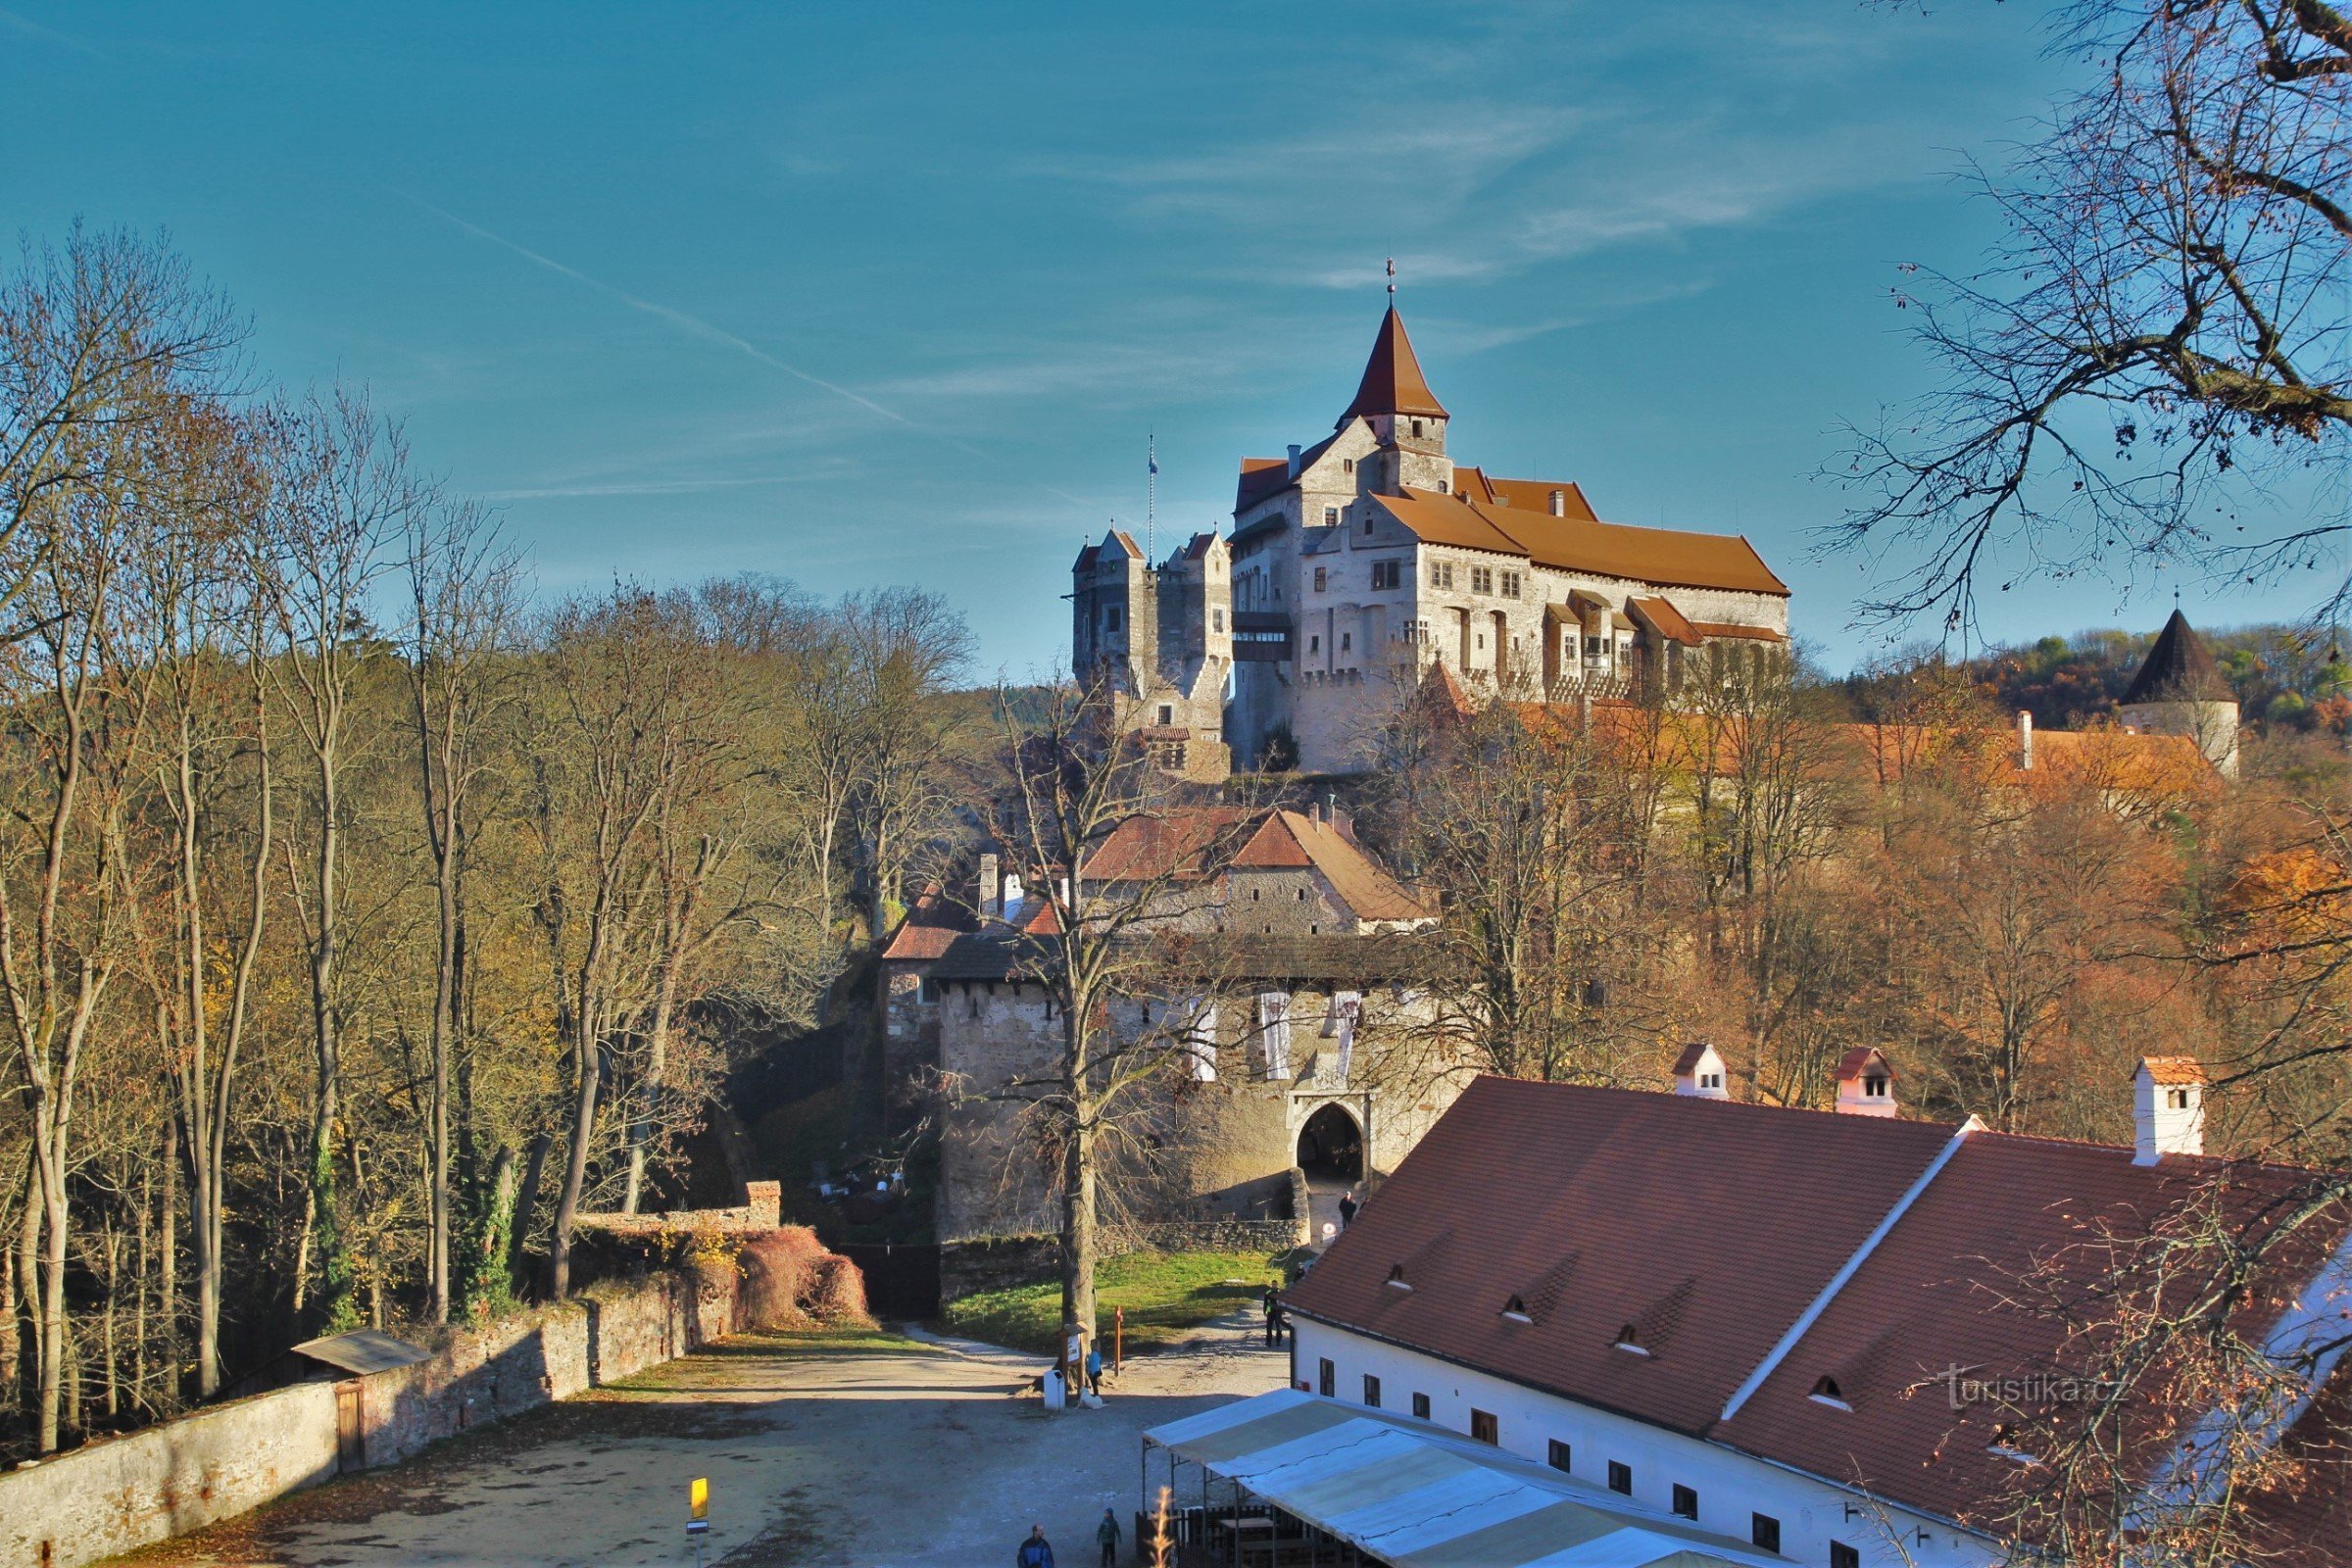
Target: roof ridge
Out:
[1794,1335]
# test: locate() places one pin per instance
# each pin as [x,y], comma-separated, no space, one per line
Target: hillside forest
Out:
[367,915]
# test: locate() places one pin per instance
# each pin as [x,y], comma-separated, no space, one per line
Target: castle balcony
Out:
[1263,636]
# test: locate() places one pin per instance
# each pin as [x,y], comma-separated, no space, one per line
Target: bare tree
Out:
[463,587]
[348,497]
[1127,1008]
[2164,319]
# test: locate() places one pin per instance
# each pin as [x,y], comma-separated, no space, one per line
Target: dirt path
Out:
[870,1450]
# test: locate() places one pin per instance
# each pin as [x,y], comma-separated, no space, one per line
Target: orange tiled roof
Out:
[2178,1070]
[1392,382]
[1534,495]
[1669,557]
[1667,621]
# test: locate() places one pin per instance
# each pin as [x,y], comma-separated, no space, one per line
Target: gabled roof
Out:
[1660,615]
[1271,476]
[930,928]
[1693,1054]
[1763,1248]
[1859,1060]
[1757,1207]
[1392,382]
[1667,557]
[2178,669]
[1533,495]
[1184,844]
[2178,1071]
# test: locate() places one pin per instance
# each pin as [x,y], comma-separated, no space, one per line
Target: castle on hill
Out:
[1370,557]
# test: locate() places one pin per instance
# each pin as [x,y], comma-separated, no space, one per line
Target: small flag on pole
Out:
[698,1505]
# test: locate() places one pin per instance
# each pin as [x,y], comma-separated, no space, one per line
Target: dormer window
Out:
[1630,1341]
[1826,1391]
[2004,1446]
[1516,1310]
[1396,1279]
[1873,1088]
[2175,1098]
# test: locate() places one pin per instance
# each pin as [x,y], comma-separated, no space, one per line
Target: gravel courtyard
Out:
[867,1450]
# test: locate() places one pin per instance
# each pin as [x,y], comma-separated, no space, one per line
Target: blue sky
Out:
[894,293]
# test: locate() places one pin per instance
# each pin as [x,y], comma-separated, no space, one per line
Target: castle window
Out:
[1510,585]
[1764,1532]
[1167,714]
[1346,641]
[1484,1428]
[1216,620]
[1440,575]
[1444,488]
[1331,516]
[1346,464]
[1556,1455]
[1386,575]
[1685,1501]
[1314,643]
[1322,578]
[1367,522]
[1621,1477]
[1421,1405]
[1417,427]
[1110,617]
[1482,579]
[1371,1391]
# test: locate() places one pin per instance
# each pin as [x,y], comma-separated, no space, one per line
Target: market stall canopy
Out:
[1415,1495]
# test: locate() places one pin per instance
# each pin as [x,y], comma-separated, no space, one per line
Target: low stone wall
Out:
[182,1474]
[761,1209]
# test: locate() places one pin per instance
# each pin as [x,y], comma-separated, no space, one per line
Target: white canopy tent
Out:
[1412,1495]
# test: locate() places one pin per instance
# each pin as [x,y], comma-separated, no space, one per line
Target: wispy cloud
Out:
[696,327]
[647,487]
[30,28]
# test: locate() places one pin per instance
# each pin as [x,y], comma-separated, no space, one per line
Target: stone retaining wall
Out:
[182,1474]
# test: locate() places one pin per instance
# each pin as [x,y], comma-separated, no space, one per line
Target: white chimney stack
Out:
[1559,502]
[1865,1084]
[2024,738]
[1698,1072]
[2168,1109]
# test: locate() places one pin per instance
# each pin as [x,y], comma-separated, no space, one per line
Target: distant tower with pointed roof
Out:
[2179,691]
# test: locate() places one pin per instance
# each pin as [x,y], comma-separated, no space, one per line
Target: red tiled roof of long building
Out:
[1666,556]
[1712,1228]
[1938,1293]
[1652,1191]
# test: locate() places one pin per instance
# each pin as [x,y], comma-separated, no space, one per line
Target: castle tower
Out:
[2179,691]
[1163,639]
[1114,612]
[1405,415]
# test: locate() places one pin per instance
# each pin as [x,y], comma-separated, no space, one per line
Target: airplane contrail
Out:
[698,328]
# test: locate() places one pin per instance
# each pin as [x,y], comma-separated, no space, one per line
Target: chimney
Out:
[988,886]
[2024,738]
[1559,502]
[2168,1109]
[1865,1084]
[1699,1074]
[1294,468]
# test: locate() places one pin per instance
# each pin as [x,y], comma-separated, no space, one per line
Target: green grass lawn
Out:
[1166,1295]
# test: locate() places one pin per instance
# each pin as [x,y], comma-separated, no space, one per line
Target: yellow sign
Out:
[698,1498]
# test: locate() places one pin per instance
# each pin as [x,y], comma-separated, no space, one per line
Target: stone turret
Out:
[2179,691]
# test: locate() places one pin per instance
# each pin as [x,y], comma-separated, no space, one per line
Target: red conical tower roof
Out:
[1392,382]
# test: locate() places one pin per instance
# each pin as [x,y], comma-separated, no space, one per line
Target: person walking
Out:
[1347,1207]
[1035,1552]
[1106,1536]
[1094,1369]
[1273,1317]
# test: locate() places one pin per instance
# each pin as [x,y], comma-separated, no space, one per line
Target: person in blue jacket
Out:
[1035,1552]
[1094,1369]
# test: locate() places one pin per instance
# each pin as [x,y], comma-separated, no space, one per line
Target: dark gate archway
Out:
[1331,1146]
